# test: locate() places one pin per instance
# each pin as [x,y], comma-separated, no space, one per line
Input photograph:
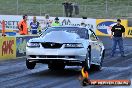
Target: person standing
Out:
[83,23]
[76,7]
[34,26]
[118,34]
[56,22]
[22,26]
[48,21]
[66,7]
[70,9]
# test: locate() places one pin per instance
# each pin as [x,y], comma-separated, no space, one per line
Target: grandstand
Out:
[89,8]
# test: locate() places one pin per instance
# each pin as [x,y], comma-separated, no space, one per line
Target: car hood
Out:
[58,37]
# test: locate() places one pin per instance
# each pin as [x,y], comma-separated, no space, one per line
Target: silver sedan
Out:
[65,46]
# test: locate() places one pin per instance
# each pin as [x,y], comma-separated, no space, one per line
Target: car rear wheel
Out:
[56,66]
[98,67]
[30,65]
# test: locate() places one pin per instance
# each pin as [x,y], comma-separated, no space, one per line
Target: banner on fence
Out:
[129,32]
[7,47]
[104,26]
[11,21]
[21,42]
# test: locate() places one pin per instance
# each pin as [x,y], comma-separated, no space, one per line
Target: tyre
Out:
[30,65]
[56,66]
[87,60]
[98,67]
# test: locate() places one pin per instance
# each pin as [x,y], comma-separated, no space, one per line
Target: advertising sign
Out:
[21,42]
[8,47]
[90,23]
[104,26]
[12,21]
[129,32]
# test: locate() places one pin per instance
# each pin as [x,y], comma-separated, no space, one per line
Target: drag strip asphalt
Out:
[14,74]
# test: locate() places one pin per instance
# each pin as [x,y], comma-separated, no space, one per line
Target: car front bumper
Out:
[75,54]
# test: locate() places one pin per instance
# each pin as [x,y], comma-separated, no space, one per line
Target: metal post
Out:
[40,10]
[3,28]
[106,7]
[17,6]
[127,11]
[63,11]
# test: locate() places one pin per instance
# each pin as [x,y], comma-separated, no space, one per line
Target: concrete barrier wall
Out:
[12,47]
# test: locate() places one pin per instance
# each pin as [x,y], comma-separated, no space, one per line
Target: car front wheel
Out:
[87,60]
[30,65]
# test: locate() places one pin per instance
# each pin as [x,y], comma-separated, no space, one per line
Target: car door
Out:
[95,47]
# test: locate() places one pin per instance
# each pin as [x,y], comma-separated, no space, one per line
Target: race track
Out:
[14,74]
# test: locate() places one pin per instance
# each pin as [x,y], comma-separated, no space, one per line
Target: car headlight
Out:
[29,44]
[74,45]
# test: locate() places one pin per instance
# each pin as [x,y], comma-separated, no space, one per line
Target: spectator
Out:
[47,21]
[76,7]
[83,23]
[22,26]
[70,9]
[34,26]
[66,7]
[117,34]
[56,22]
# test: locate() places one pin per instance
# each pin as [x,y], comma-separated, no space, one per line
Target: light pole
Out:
[106,7]
[40,12]
[17,6]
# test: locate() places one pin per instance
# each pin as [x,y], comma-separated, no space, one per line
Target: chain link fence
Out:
[106,9]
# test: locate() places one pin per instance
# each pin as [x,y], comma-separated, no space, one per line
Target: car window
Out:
[92,35]
[82,32]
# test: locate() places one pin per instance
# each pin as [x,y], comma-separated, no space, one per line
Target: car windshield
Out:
[82,32]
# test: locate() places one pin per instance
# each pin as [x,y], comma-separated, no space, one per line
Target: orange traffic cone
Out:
[3,28]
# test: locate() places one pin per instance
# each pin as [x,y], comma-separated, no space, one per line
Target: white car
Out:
[65,46]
